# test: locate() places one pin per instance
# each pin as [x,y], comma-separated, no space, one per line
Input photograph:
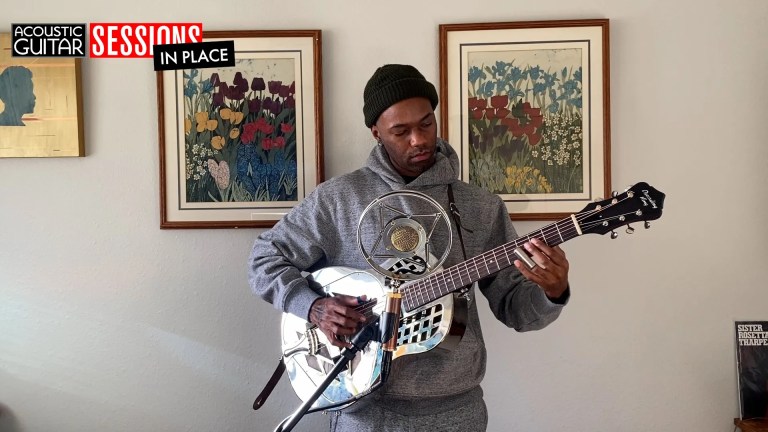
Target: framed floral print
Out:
[241,146]
[526,105]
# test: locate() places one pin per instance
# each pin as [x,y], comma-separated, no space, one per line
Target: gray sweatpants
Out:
[465,412]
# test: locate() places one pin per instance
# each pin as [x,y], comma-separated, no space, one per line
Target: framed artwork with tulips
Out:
[240,146]
[526,105]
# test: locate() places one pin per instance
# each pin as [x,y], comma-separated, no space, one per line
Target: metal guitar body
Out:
[309,356]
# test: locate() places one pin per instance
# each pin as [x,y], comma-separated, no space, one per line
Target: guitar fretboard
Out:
[420,292]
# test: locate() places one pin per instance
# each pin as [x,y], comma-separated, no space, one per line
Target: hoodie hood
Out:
[445,170]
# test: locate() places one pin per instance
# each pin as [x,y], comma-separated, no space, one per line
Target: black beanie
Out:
[389,85]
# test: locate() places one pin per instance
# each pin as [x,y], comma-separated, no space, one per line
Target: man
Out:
[437,390]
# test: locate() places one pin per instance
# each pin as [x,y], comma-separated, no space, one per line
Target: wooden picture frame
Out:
[41,105]
[241,146]
[526,105]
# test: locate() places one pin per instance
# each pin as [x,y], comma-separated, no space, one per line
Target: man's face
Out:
[408,131]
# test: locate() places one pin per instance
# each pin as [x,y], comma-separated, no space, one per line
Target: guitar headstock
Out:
[641,202]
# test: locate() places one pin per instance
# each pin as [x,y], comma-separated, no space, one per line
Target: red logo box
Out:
[136,40]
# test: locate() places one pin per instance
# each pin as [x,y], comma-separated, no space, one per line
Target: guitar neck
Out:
[420,292]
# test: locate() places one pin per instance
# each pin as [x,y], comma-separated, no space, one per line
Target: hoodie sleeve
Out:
[280,254]
[513,299]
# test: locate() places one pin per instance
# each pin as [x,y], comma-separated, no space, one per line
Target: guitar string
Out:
[570,230]
[441,279]
[415,291]
[414,288]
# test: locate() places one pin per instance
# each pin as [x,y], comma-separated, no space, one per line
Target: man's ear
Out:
[375,133]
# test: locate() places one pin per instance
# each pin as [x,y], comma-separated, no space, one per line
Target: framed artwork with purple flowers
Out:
[526,105]
[241,146]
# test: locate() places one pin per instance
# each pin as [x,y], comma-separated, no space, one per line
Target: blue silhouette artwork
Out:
[16,92]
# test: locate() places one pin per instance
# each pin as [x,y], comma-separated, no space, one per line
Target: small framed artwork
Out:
[241,146]
[41,105]
[526,106]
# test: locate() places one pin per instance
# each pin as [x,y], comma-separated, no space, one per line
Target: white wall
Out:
[108,323]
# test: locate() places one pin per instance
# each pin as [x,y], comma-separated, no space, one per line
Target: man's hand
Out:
[336,317]
[551,271]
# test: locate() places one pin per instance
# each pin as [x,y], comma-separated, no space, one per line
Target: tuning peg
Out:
[630,230]
[647,224]
[614,193]
[598,199]
[614,234]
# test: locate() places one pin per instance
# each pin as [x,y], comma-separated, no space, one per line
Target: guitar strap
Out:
[457,218]
[270,385]
[464,292]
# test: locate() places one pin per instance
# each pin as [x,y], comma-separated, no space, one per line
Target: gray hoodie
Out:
[322,230]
